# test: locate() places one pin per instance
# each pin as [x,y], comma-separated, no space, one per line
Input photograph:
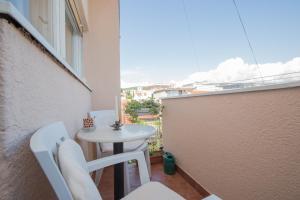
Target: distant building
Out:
[154,91]
[172,92]
[202,87]
[143,92]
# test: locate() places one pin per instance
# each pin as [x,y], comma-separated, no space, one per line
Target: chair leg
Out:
[126,179]
[147,157]
[98,172]
[98,177]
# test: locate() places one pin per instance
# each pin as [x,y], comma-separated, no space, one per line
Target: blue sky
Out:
[158,46]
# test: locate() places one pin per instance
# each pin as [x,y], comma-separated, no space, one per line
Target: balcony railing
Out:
[240,145]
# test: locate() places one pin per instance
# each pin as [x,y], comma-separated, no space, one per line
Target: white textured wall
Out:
[34,91]
[243,146]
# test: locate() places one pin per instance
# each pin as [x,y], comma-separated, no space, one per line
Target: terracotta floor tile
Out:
[176,182]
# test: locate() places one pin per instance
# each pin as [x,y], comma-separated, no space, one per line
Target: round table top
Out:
[128,132]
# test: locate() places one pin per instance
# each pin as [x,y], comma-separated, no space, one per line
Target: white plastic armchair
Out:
[44,145]
[119,158]
[107,118]
[72,180]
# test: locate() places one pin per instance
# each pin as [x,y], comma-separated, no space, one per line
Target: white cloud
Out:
[231,70]
[236,69]
[138,76]
[133,77]
[125,84]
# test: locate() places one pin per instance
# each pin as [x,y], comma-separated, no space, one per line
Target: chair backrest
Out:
[75,171]
[44,144]
[104,117]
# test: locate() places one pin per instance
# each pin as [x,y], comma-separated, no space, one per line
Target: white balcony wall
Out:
[238,146]
[34,91]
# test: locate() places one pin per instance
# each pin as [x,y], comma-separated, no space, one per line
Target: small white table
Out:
[106,134]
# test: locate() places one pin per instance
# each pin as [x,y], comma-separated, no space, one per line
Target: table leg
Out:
[118,173]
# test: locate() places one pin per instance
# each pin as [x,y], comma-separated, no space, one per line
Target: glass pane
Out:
[22,6]
[39,13]
[69,41]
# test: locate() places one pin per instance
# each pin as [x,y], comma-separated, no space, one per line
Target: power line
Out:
[267,82]
[270,76]
[292,75]
[247,37]
[189,28]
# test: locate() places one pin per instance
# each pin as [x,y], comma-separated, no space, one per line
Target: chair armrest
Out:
[119,158]
[143,146]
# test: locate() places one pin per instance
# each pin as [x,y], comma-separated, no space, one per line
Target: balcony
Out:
[239,144]
[242,144]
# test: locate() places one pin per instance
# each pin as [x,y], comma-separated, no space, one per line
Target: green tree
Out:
[129,95]
[132,109]
[152,105]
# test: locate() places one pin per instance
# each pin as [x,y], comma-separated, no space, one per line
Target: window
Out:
[69,41]
[72,40]
[55,21]
[39,13]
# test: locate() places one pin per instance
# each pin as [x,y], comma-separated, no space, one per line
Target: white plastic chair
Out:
[107,118]
[49,140]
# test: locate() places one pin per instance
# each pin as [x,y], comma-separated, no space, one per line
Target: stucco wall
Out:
[34,91]
[102,53]
[239,146]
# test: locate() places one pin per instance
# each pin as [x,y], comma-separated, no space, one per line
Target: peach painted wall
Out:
[102,53]
[238,146]
[34,91]
[84,4]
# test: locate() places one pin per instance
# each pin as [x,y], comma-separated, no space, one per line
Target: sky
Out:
[180,41]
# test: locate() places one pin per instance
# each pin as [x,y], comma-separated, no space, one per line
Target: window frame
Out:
[57,47]
[76,38]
